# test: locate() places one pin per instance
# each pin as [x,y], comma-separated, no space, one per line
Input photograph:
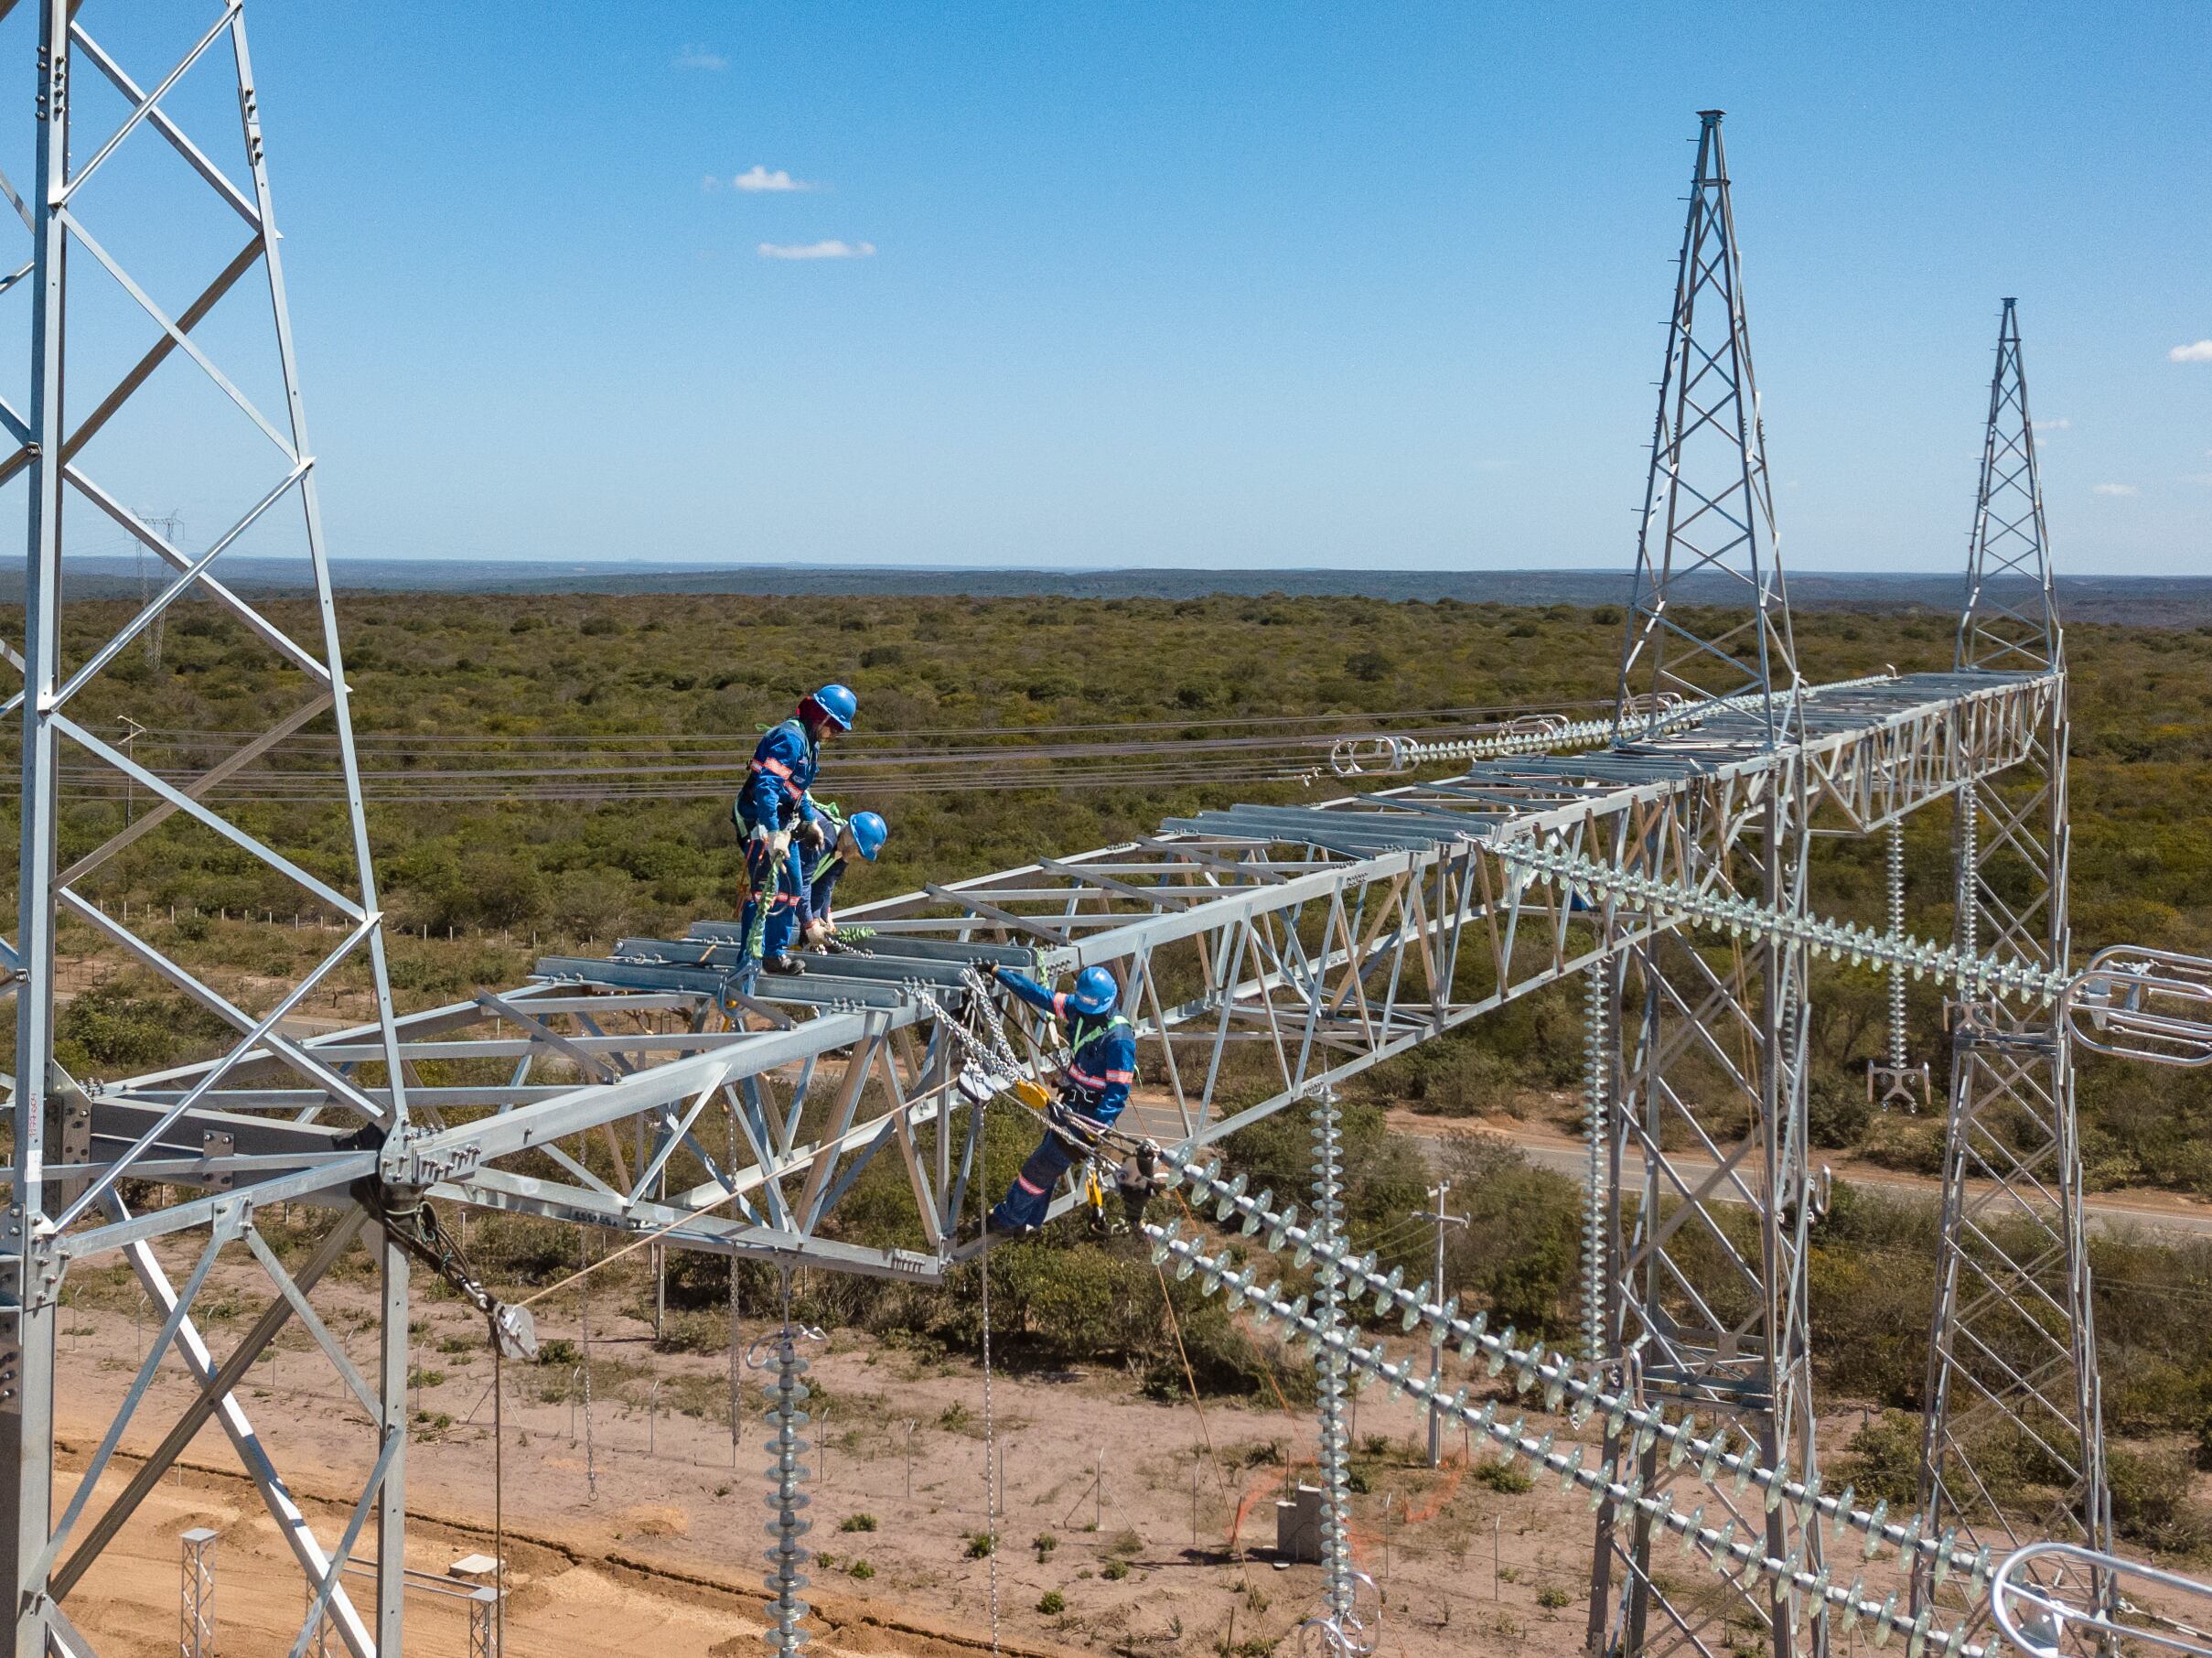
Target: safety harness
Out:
[993,1072]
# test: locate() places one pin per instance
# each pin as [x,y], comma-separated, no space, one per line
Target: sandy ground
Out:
[617,1546]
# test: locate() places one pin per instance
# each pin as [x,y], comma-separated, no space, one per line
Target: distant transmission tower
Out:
[171,525]
[2013,1356]
[1692,1317]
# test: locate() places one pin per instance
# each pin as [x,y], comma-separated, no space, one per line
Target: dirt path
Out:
[1548,1148]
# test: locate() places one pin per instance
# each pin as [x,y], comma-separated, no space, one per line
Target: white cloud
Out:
[831,249]
[700,58]
[2199,352]
[2115,488]
[757,177]
[2060,424]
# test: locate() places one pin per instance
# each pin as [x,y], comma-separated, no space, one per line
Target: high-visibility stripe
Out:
[1060,1004]
[1121,1076]
[776,768]
[1028,1186]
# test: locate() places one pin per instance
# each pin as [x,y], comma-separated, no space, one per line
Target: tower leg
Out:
[391,1496]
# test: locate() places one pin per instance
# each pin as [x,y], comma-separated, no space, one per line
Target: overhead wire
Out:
[1195,720]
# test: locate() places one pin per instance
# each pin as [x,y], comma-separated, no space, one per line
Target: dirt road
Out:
[1547,1148]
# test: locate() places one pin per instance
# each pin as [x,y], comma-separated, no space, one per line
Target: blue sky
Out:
[1222,285]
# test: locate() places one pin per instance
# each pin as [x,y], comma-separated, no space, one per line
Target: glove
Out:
[779,846]
[809,835]
[1076,1130]
[820,932]
[989,969]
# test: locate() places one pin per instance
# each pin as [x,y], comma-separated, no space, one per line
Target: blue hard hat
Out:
[1095,991]
[869,834]
[837,705]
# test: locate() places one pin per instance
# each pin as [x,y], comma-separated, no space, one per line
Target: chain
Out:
[987,1004]
[997,1056]
[1674,901]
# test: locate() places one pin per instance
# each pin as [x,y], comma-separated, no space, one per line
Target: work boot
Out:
[1138,1182]
[787,964]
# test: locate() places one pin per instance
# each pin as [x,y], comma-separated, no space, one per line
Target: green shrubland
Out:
[510,876]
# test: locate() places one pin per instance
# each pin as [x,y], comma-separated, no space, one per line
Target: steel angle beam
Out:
[497,1189]
[891,965]
[815,989]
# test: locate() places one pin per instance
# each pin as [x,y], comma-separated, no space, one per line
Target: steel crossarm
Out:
[1321,964]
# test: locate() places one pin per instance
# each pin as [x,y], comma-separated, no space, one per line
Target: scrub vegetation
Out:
[478,887]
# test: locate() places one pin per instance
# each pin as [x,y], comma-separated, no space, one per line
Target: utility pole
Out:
[1442,1220]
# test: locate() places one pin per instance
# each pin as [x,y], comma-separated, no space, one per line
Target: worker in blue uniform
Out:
[823,854]
[1101,1066]
[771,810]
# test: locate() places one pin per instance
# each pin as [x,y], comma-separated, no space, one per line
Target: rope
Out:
[755,936]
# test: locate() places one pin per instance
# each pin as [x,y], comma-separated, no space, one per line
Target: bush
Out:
[1113,1571]
[857,1523]
[981,1544]
[1521,1250]
[2152,1503]
[1052,1603]
[126,1026]
[1883,1460]
[1368,665]
[860,1569]
[1503,1477]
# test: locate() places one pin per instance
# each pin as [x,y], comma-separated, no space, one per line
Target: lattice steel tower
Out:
[2012,1354]
[1695,1318]
[74,684]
